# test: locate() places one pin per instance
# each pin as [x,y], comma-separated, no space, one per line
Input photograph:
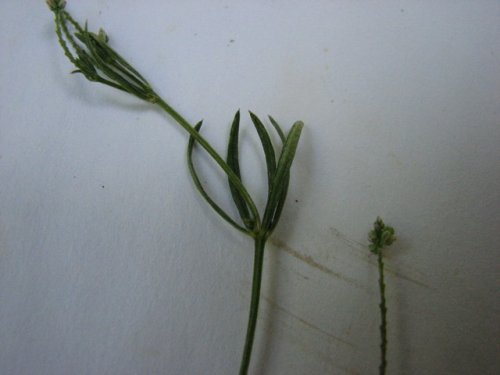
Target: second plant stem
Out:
[383,316]
[254,304]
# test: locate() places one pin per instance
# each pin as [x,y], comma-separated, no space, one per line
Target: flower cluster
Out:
[381,235]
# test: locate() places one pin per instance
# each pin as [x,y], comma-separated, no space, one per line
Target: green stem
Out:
[218,159]
[383,315]
[260,243]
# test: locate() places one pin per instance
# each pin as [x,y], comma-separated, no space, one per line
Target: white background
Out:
[110,262]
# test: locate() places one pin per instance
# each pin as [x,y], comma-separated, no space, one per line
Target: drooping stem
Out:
[254,304]
[383,316]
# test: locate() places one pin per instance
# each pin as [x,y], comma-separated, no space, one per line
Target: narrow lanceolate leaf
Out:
[103,63]
[278,129]
[281,202]
[268,148]
[233,162]
[111,57]
[121,61]
[280,181]
[200,188]
[100,58]
[283,193]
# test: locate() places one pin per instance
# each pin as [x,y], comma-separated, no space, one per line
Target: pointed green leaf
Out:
[234,164]
[111,57]
[281,202]
[120,60]
[278,129]
[268,148]
[279,185]
[99,60]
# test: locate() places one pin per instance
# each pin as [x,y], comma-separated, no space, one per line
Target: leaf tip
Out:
[198,125]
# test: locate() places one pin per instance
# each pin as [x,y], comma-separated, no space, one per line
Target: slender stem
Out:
[383,313]
[218,159]
[260,243]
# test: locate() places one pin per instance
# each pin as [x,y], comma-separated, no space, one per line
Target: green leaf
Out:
[117,58]
[283,194]
[281,202]
[278,129]
[200,188]
[280,181]
[112,57]
[268,148]
[233,162]
[102,62]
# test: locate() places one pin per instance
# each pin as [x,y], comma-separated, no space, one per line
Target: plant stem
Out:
[383,313]
[98,62]
[260,243]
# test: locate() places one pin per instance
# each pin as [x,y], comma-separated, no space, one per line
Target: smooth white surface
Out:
[110,263]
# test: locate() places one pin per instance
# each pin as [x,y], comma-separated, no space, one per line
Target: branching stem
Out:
[93,57]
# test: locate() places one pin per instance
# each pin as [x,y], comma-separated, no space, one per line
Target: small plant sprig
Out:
[381,236]
[92,56]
